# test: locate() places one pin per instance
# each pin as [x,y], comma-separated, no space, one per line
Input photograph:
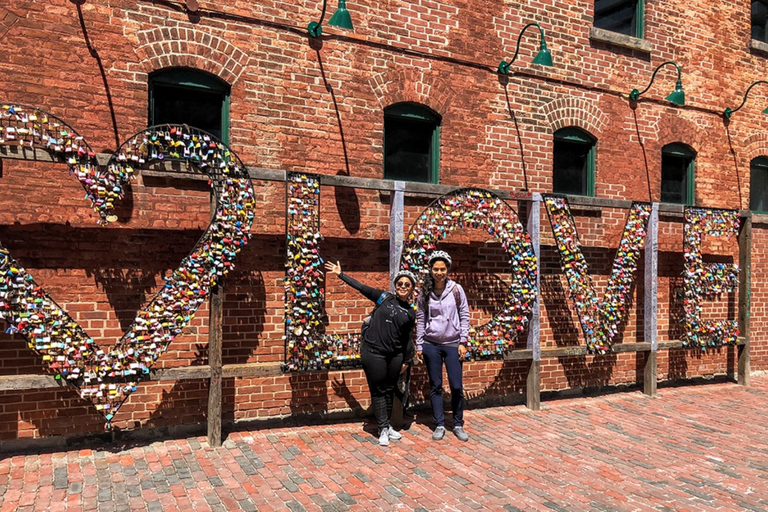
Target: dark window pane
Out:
[570,167]
[674,179]
[759,19]
[758,185]
[617,16]
[408,149]
[195,107]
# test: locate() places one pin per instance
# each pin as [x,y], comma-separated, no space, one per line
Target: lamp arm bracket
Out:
[728,112]
[504,65]
[315,28]
[653,77]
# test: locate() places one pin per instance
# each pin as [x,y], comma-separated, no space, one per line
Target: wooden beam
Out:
[667,345]
[745,283]
[395,231]
[214,361]
[180,373]
[176,169]
[31,382]
[581,350]
[395,248]
[650,376]
[650,373]
[533,386]
[251,370]
[533,343]
[518,355]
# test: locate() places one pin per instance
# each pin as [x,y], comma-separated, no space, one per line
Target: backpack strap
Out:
[457,298]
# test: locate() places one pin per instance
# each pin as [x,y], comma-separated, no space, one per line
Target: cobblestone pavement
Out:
[697,448]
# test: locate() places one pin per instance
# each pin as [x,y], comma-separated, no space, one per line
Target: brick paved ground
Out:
[697,448]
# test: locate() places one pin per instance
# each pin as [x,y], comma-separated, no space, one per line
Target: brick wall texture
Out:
[317,106]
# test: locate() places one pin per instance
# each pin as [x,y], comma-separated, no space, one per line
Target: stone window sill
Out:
[757,45]
[616,39]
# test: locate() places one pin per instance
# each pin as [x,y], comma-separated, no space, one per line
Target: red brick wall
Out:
[291,101]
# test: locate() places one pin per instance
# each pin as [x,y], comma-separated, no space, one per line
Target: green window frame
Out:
[622,16]
[192,97]
[678,174]
[759,20]
[758,184]
[411,143]
[573,162]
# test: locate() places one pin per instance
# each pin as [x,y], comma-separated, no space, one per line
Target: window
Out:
[187,96]
[758,184]
[759,19]
[677,174]
[622,16]
[573,162]
[411,143]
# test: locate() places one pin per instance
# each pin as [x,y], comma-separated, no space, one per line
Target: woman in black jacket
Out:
[385,342]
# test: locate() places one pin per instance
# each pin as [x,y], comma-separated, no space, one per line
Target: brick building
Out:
[412,93]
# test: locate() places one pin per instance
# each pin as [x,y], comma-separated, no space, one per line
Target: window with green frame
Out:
[677,174]
[622,16]
[758,184]
[411,143]
[760,20]
[192,97]
[573,162]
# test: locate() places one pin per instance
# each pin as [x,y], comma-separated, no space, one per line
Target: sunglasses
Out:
[403,284]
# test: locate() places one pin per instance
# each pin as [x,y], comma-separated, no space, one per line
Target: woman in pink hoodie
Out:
[442,329]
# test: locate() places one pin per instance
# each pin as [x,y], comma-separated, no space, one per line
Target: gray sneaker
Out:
[459,432]
[393,434]
[438,434]
[384,438]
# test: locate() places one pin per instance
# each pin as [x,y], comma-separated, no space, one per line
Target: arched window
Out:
[677,174]
[183,95]
[411,143]
[758,184]
[573,162]
[622,16]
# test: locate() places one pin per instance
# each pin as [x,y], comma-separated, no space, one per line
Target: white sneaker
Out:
[394,435]
[384,438]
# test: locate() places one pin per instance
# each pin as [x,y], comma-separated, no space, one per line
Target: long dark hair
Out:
[428,284]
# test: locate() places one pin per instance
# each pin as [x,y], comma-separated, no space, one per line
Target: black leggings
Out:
[382,372]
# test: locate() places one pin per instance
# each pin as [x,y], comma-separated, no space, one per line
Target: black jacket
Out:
[390,328]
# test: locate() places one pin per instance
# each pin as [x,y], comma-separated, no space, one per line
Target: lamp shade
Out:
[543,57]
[341,17]
[678,95]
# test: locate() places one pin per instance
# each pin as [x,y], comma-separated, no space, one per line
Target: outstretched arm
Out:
[369,292]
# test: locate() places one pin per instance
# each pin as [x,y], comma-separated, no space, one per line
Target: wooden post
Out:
[395,231]
[533,383]
[650,374]
[745,282]
[395,248]
[214,361]
[215,321]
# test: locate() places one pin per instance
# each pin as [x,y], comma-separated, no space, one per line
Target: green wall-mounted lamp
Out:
[677,96]
[340,18]
[729,112]
[543,57]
